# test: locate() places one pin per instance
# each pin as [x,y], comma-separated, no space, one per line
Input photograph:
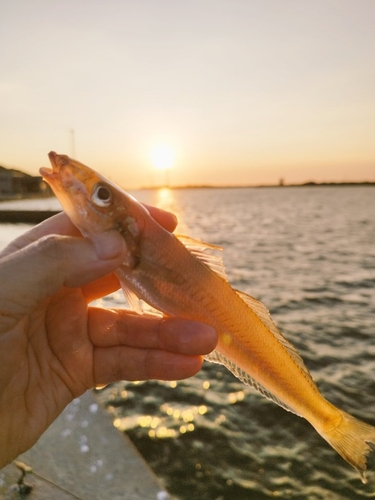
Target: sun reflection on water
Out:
[166,199]
[176,421]
[172,421]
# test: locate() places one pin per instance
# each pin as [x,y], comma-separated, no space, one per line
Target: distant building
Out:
[17,184]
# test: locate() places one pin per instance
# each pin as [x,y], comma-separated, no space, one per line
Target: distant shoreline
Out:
[255,186]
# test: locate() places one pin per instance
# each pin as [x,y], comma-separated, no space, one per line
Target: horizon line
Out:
[244,186]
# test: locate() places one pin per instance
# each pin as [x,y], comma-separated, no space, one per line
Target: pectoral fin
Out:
[132,299]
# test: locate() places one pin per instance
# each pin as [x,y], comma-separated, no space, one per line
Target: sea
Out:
[308,253]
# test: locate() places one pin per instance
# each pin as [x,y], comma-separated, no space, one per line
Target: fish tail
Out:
[351,438]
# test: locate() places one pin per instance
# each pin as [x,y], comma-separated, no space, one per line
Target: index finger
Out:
[121,327]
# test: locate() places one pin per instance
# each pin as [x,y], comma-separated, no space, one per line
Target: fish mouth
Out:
[57,161]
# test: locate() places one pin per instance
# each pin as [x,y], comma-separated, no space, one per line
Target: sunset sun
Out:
[162,156]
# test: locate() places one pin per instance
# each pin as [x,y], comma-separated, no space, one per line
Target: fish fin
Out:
[264,315]
[197,244]
[198,248]
[216,357]
[132,299]
[351,438]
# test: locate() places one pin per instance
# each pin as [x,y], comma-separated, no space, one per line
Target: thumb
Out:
[39,270]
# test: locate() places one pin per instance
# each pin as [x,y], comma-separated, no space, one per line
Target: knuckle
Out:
[149,364]
[54,246]
[117,368]
[55,258]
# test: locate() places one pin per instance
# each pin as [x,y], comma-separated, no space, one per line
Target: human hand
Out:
[54,346]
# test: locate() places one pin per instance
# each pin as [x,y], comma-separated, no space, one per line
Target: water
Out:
[309,254]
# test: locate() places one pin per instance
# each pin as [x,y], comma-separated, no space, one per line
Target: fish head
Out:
[92,202]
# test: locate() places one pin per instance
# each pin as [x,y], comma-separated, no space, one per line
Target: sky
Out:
[242,92]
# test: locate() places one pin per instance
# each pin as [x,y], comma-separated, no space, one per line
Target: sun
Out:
[162,156]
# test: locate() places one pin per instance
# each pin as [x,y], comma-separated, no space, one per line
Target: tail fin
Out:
[351,438]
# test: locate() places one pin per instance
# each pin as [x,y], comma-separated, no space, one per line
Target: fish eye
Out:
[102,195]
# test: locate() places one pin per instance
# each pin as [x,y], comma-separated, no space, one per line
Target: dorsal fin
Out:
[198,248]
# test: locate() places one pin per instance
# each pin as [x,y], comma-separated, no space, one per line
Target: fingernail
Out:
[109,245]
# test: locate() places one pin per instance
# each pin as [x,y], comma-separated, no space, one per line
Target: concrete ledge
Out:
[26,216]
[83,456]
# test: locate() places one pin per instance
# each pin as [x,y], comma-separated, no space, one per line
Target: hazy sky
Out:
[244,91]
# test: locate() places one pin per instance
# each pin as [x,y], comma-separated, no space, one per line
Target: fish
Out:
[182,277]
